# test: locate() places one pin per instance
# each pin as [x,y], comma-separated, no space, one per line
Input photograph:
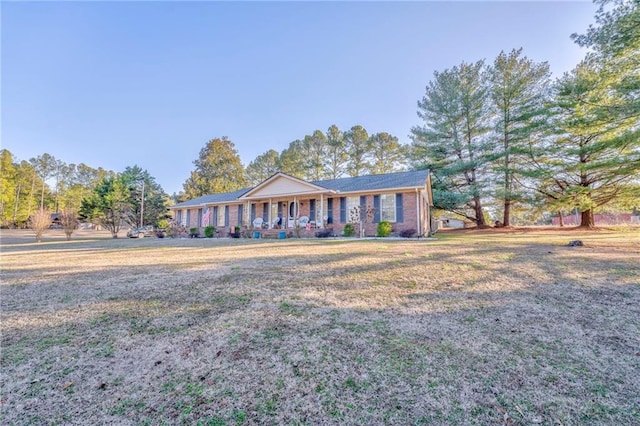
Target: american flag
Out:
[206,216]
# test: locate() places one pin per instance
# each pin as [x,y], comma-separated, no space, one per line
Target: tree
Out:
[593,159]
[262,167]
[315,148]
[148,201]
[387,153]
[453,140]
[615,48]
[8,174]
[39,222]
[337,157]
[357,146]
[45,166]
[292,159]
[69,221]
[519,88]
[109,204]
[218,169]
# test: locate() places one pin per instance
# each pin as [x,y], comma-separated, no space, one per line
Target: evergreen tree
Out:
[387,155]
[335,165]
[147,198]
[594,159]
[358,149]
[109,204]
[264,166]
[518,90]
[316,149]
[292,159]
[453,140]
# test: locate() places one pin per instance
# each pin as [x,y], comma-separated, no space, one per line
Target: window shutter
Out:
[329,210]
[188,217]
[240,206]
[343,210]
[199,217]
[312,209]
[215,216]
[253,212]
[399,209]
[376,207]
[226,215]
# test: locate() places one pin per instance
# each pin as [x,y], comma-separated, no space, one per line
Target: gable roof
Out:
[388,181]
[282,184]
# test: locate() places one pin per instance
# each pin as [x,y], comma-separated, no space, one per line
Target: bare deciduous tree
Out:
[39,222]
[69,221]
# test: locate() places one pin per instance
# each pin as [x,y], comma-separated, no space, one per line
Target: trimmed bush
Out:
[349,230]
[384,229]
[408,233]
[209,231]
[325,233]
[193,232]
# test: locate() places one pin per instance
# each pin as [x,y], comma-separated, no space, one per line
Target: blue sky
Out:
[113,84]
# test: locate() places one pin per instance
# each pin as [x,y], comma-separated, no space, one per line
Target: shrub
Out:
[325,233]
[408,233]
[39,222]
[209,231]
[349,230]
[69,221]
[163,224]
[384,229]
[193,232]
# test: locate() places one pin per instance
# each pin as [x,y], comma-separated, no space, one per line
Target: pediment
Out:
[280,185]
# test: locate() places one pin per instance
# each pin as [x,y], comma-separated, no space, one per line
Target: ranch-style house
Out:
[284,202]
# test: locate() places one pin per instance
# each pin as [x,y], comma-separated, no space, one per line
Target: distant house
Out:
[450,223]
[283,201]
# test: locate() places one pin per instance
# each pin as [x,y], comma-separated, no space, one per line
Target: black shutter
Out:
[399,209]
[253,212]
[240,207]
[226,215]
[199,218]
[312,209]
[376,208]
[343,210]
[329,210]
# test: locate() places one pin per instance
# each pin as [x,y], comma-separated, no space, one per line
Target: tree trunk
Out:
[506,220]
[15,206]
[560,218]
[479,213]
[587,219]
[42,196]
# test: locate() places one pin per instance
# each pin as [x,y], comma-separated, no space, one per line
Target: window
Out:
[220,217]
[352,202]
[388,207]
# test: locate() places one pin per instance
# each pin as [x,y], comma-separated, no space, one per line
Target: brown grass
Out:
[472,328]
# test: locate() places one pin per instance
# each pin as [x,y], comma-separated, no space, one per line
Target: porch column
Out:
[321,212]
[269,215]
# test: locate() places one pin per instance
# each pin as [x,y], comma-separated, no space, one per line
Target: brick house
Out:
[283,202]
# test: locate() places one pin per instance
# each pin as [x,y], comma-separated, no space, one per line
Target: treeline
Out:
[504,133]
[26,186]
[318,156]
[97,195]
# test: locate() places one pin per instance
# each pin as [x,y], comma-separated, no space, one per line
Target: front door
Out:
[294,208]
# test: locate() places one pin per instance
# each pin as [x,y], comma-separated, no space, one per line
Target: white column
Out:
[269,215]
[321,212]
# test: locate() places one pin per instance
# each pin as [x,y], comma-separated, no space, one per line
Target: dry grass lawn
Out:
[473,328]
